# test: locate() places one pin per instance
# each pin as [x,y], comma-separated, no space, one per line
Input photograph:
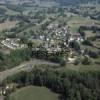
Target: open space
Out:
[7,25]
[34,93]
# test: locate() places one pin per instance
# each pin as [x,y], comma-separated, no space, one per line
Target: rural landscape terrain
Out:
[49,49]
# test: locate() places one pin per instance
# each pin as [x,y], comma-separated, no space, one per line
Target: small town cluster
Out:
[58,39]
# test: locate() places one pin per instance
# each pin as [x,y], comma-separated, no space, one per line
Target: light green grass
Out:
[33,93]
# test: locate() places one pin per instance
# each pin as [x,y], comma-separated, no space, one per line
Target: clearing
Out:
[34,93]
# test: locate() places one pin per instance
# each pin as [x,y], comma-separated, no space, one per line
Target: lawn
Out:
[33,93]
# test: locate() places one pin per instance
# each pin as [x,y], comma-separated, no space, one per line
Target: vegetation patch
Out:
[33,93]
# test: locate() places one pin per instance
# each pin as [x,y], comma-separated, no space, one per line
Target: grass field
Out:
[80,67]
[33,93]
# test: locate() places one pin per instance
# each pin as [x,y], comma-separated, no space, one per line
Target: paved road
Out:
[26,66]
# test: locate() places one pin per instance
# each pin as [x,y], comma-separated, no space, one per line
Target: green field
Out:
[33,93]
[8,11]
[77,21]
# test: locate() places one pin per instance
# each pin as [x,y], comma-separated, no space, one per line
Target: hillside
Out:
[61,2]
[75,2]
[72,2]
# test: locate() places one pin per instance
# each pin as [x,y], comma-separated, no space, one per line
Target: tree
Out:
[30,44]
[93,54]
[83,34]
[87,42]
[74,44]
[23,40]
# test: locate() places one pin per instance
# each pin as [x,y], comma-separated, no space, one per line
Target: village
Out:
[12,43]
[57,39]
[49,49]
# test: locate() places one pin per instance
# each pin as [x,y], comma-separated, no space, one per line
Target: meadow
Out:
[33,93]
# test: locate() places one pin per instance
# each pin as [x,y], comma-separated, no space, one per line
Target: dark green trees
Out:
[71,85]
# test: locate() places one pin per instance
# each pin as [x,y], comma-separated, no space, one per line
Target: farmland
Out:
[7,25]
[77,21]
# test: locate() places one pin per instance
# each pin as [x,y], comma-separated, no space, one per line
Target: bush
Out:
[63,62]
[86,61]
[93,54]
[75,45]
[76,62]
[87,42]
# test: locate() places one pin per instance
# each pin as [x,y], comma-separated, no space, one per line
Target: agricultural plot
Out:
[77,21]
[90,34]
[7,25]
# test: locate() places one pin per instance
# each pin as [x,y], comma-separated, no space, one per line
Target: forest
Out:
[70,85]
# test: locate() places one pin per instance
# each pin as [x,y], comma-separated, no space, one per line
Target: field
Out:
[77,21]
[90,33]
[7,25]
[33,93]
[8,11]
[83,68]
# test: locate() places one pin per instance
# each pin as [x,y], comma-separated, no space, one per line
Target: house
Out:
[71,60]
[75,35]
[13,43]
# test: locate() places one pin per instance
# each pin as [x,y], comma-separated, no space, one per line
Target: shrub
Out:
[86,60]
[93,54]
[63,62]
[87,42]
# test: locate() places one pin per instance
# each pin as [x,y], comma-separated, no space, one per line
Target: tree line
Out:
[57,57]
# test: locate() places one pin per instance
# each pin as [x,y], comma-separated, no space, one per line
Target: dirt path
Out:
[26,66]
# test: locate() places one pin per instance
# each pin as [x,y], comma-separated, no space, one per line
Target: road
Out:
[23,67]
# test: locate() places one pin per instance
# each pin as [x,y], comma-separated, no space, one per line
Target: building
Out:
[13,43]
